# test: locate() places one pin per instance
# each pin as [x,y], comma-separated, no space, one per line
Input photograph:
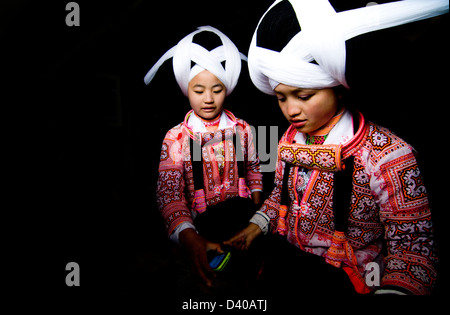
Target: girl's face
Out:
[206,95]
[306,109]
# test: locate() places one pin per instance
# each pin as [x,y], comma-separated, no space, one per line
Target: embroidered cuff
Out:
[392,289]
[261,220]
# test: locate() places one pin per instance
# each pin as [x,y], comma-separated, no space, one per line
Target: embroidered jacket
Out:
[389,205]
[175,187]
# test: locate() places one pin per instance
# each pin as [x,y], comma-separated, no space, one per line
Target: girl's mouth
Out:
[298,123]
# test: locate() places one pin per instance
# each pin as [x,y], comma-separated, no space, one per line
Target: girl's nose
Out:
[293,108]
[208,98]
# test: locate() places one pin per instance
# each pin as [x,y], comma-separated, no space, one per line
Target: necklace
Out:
[315,139]
[212,122]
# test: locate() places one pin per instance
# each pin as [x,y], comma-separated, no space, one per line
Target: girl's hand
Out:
[196,247]
[243,239]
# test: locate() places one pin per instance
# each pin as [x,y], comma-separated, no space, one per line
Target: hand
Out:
[243,239]
[196,247]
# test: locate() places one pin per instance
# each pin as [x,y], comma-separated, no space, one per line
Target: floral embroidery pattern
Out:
[380,140]
[304,157]
[164,152]
[318,157]
[316,205]
[415,188]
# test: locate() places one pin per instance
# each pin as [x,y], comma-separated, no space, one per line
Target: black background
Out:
[88,131]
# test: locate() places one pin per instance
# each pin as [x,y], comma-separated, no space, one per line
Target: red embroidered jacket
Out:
[175,188]
[389,207]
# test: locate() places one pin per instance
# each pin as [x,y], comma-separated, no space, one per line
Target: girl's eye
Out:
[305,97]
[218,91]
[281,98]
[198,92]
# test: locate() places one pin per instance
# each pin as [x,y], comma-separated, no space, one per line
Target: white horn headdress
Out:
[186,51]
[322,39]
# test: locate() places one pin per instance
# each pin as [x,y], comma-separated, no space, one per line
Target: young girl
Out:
[346,190]
[209,170]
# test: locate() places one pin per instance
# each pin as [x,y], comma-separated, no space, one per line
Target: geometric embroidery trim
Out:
[414,188]
[318,157]
[315,201]
[402,175]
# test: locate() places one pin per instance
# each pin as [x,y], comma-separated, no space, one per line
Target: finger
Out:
[243,245]
[248,242]
[208,272]
[204,277]
[204,271]
[214,246]
[232,240]
[236,239]
[239,242]
[241,235]
[219,249]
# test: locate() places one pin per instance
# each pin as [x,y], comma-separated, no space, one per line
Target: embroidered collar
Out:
[339,134]
[326,157]
[212,122]
[193,125]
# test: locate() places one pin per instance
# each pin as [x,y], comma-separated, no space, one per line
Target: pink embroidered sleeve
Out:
[171,184]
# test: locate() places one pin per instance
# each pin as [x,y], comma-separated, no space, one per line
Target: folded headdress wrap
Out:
[315,57]
[186,51]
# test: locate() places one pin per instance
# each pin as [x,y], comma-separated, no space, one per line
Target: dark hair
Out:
[278,27]
[280,24]
[207,40]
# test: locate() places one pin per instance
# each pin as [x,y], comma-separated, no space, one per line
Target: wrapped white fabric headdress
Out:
[186,51]
[315,57]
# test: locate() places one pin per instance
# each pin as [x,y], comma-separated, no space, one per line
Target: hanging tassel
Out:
[281,226]
[341,255]
[199,202]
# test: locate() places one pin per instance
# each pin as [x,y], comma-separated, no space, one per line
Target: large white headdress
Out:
[322,39]
[186,52]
